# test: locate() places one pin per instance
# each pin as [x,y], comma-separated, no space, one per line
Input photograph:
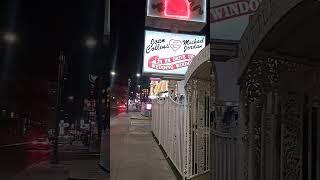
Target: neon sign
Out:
[187,10]
[177,9]
[170,53]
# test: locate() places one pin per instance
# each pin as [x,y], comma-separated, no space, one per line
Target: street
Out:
[20,161]
[114,111]
[17,158]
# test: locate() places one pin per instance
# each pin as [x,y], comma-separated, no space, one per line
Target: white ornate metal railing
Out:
[185,142]
[223,156]
[199,123]
[168,125]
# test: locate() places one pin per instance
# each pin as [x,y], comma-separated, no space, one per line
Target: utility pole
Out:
[58,104]
[129,83]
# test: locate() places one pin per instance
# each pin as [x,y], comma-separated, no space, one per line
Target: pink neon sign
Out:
[177,9]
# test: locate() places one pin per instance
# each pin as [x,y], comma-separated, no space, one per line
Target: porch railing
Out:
[185,142]
[223,156]
[168,125]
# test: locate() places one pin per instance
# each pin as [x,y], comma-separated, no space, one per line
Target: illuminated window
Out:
[177,9]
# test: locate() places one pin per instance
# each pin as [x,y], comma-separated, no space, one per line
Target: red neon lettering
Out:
[171,63]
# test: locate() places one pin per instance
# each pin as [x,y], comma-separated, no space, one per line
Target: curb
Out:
[103,168]
[15,144]
[140,118]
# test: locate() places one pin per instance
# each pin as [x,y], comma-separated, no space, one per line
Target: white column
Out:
[251,165]
[264,137]
[254,140]
[291,136]
[269,131]
[275,137]
[242,165]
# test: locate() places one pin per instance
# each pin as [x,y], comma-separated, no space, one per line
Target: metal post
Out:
[129,82]
[58,103]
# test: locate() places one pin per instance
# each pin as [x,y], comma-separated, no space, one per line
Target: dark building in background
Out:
[52,95]
[25,109]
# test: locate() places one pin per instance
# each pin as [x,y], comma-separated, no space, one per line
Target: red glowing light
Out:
[177,9]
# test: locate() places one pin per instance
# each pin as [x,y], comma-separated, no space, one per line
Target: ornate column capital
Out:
[263,75]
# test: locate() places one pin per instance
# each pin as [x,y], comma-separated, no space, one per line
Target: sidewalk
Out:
[73,148]
[85,169]
[134,153]
[139,116]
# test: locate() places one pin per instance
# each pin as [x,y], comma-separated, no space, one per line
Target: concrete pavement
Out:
[134,153]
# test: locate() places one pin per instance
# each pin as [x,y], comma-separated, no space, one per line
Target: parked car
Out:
[122,106]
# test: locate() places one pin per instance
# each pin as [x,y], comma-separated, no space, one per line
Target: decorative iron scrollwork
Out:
[263,75]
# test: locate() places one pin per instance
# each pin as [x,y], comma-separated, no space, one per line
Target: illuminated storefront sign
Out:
[190,10]
[157,87]
[170,53]
[229,18]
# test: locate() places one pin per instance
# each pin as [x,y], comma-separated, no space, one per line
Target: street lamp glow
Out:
[91,42]
[138,74]
[10,37]
[71,98]
[113,73]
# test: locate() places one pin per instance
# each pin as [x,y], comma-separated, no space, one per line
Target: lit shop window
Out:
[177,9]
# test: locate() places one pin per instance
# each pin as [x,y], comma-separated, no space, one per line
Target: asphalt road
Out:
[115,111]
[16,158]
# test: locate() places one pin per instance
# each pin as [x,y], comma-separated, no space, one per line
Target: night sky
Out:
[127,26]
[46,27]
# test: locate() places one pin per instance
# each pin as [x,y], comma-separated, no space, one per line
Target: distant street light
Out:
[138,74]
[91,42]
[10,37]
[71,98]
[113,73]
